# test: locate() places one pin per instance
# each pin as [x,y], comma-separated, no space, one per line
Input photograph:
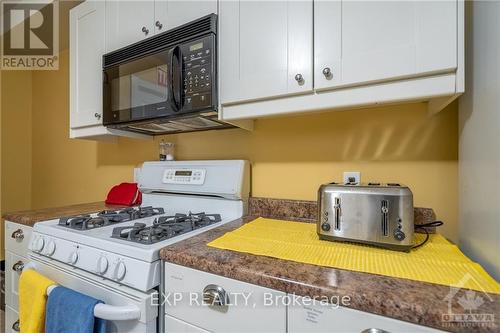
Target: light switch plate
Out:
[348,175]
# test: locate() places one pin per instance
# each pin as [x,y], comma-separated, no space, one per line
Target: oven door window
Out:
[137,89]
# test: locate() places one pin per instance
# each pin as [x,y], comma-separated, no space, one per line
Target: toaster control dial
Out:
[399,235]
[325,227]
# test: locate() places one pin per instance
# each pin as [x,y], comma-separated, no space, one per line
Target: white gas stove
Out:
[120,249]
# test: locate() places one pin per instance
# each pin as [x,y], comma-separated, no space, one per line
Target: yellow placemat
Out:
[438,261]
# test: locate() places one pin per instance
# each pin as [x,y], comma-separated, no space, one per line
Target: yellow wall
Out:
[16,144]
[290,156]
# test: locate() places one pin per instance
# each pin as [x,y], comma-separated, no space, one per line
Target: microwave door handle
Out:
[103,311]
[178,89]
[175,53]
[171,97]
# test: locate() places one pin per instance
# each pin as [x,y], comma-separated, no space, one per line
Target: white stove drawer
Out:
[249,308]
[13,267]
[17,238]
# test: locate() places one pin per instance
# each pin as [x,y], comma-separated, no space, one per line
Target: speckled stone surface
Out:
[292,210]
[417,302]
[307,211]
[30,217]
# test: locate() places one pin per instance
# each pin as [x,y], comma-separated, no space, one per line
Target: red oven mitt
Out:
[126,194]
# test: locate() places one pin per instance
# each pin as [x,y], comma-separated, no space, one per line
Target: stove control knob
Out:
[73,258]
[50,248]
[102,265]
[120,271]
[38,244]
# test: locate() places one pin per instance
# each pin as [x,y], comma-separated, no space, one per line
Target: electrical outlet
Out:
[137,172]
[353,177]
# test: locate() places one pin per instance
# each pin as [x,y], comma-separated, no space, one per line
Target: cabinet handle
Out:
[145,30]
[159,25]
[327,72]
[97,115]
[18,266]
[15,326]
[374,330]
[299,78]
[215,295]
[18,234]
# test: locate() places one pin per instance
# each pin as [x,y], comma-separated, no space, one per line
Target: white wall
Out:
[479,138]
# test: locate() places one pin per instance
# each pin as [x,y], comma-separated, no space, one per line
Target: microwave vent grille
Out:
[177,35]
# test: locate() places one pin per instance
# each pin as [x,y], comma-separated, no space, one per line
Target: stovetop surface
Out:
[176,208]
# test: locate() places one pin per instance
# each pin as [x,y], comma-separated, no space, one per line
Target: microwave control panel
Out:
[184,176]
[198,61]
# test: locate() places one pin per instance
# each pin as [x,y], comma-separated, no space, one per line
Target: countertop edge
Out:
[411,301]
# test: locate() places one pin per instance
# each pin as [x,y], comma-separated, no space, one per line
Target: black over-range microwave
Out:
[166,83]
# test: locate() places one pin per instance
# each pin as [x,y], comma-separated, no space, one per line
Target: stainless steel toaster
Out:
[373,213]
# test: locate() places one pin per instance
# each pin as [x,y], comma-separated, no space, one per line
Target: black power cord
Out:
[423,227]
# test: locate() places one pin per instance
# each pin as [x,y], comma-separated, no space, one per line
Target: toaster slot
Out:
[385,217]
[336,208]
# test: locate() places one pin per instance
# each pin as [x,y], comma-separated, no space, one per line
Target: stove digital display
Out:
[183,173]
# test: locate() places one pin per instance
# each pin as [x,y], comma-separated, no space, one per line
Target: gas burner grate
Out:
[198,219]
[108,217]
[164,227]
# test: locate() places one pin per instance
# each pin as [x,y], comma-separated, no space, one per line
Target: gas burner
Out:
[114,216]
[108,217]
[146,212]
[164,227]
[197,220]
[84,222]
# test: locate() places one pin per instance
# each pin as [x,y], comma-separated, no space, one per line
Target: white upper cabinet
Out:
[173,13]
[128,22]
[265,49]
[86,50]
[358,42]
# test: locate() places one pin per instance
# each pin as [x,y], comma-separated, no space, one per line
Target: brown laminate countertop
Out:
[30,217]
[412,301]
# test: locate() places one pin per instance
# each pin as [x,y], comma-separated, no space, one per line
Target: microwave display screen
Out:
[183,173]
[195,47]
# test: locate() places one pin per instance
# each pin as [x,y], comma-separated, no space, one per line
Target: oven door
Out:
[126,310]
[141,88]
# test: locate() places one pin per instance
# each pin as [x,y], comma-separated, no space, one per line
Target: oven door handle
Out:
[104,311]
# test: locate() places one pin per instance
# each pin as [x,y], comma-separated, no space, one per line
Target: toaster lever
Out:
[385,217]
[338,212]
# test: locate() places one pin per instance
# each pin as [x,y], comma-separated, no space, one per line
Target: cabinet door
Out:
[358,42]
[11,320]
[264,47]
[173,13]
[86,49]
[175,325]
[249,308]
[308,315]
[128,22]
[17,238]
[13,267]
